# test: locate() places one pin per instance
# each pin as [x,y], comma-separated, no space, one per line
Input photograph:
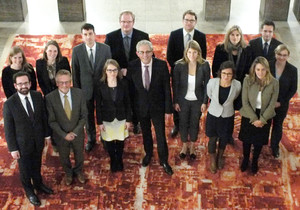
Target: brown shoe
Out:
[68,180]
[81,178]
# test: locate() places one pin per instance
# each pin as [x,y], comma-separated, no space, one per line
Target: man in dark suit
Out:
[122,43]
[88,60]
[67,115]
[176,45]
[150,84]
[26,129]
[266,44]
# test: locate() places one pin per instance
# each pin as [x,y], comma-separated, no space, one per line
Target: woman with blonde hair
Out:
[190,77]
[259,95]
[17,63]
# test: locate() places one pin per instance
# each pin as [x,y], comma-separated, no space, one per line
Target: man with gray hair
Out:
[150,88]
[122,43]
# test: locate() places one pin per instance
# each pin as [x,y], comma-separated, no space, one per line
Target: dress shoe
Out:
[43,188]
[244,165]
[120,166]
[182,155]
[68,180]
[231,141]
[167,168]
[89,146]
[137,129]
[254,167]
[193,156]
[81,178]
[275,153]
[34,199]
[174,131]
[146,160]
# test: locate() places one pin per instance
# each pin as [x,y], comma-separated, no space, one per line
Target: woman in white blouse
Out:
[191,75]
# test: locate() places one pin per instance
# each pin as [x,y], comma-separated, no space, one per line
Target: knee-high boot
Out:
[213,165]
[220,158]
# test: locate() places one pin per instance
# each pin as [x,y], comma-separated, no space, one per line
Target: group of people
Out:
[123,81]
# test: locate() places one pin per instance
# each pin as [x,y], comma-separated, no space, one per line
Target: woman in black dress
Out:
[259,95]
[17,63]
[47,66]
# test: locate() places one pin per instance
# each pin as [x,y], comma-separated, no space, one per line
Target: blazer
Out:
[20,133]
[226,109]
[58,120]
[115,41]
[269,96]
[107,109]
[43,76]
[84,75]
[288,82]
[257,48]
[242,64]
[180,80]
[175,47]
[157,100]
[8,83]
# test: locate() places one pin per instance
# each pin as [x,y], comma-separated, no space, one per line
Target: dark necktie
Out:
[126,46]
[29,109]
[189,36]
[147,78]
[92,58]
[266,49]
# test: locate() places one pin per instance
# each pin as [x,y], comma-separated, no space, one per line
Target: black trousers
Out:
[30,171]
[115,150]
[276,135]
[256,151]
[90,121]
[64,155]
[158,120]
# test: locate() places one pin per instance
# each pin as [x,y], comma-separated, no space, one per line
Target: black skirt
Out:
[253,135]
[219,126]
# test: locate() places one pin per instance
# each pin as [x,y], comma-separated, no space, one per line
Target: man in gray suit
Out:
[67,115]
[88,60]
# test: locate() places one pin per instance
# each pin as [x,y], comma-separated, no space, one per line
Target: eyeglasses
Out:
[144,52]
[282,55]
[63,83]
[128,22]
[227,74]
[21,84]
[189,20]
[112,70]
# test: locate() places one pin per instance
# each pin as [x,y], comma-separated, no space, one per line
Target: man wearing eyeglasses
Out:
[122,43]
[150,84]
[88,59]
[176,45]
[66,116]
[26,129]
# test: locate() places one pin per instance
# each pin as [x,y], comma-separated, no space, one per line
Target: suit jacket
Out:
[115,41]
[269,96]
[180,80]
[107,109]
[242,64]
[257,48]
[176,45]
[58,120]
[84,75]
[20,133]
[288,82]
[43,76]
[157,100]
[226,109]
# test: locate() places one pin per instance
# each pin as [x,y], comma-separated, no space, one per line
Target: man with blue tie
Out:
[26,129]
[88,60]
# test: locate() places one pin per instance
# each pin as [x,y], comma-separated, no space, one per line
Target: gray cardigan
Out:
[226,109]
[269,97]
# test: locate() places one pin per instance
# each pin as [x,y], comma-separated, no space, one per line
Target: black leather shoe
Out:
[43,188]
[182,155]
[34,199]
[254,167]
[231,141]
[244,165]
[275,153]
[193,156]
[174,131]
[146,160]
[167,168]
[89,146]
[137,129]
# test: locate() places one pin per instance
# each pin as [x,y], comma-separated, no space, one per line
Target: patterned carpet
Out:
[276,185]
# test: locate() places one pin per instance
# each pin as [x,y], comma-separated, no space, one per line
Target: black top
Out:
[7,80]
[223,94]
[113,93]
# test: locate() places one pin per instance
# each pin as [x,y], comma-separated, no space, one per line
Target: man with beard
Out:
[26,129]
